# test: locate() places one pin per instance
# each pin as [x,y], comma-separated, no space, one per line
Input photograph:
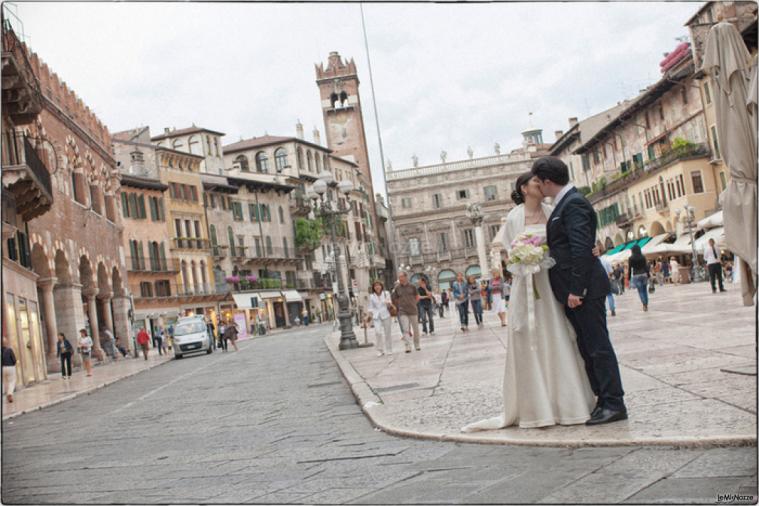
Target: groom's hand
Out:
[574,301]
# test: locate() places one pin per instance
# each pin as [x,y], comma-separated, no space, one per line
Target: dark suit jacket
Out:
[571,234]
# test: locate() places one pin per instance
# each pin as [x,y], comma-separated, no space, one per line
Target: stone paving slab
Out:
[675,362]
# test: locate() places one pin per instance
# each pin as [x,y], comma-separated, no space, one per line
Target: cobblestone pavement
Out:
[276,423]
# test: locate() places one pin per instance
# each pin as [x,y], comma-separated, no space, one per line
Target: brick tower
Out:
[341,106]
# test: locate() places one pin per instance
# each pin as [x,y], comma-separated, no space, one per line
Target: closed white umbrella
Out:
[728,62]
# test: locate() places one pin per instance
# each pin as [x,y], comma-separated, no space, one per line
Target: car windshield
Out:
[189,328]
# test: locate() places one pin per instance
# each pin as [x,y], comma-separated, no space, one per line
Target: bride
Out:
[545,381]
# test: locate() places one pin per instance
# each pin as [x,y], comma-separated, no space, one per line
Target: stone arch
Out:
[62,267]
[103,280]
[86,274]
[117,282]
[41,264]
[473,270]
[655,229]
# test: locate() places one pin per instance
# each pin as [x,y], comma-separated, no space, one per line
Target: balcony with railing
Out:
[22,95]
[145,291]
[246,283]
[25,176]
[219,251]
[299,206]
[191,243]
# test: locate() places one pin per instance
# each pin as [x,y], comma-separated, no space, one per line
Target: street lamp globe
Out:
[345,186]
[320,186]
[327,177]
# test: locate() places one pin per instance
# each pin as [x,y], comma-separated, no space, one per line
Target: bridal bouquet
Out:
[528,255]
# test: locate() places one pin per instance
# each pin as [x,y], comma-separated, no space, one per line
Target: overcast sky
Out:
[446,76]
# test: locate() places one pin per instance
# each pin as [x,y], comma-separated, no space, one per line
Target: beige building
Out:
[433,236]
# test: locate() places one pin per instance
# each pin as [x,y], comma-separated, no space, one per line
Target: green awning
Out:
[616,249]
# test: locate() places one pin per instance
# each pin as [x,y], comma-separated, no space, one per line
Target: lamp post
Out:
[330,211]
[688,213]
[475,214]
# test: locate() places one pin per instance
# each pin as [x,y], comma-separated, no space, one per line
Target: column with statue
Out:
[475,214]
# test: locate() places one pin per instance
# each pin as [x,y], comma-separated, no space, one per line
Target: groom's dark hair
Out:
[552,169]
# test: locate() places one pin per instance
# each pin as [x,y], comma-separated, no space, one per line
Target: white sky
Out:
[446,76]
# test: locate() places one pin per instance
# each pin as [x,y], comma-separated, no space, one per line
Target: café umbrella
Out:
[728,62]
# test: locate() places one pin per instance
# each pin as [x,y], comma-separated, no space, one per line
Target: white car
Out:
[190,336]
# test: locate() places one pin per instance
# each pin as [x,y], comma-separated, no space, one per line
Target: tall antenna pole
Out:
[390,240]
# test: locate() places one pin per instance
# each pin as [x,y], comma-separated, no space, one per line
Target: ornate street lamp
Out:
[331,212]
[689,215]
[475,214]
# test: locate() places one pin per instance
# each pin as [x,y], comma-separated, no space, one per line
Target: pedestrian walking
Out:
[659,272]
[305,318]
[614,285]
[618,274]
[64,350]
[85,349]
[121,348]
[230,334]
[713,263]
[222,333]
[211,334]
[143,339]
[674,269]
[165,340]
[475,299]
[380,307]
[496,289]
[405,297]
[158,340]
[426,301]
[667,275]
[108,342]
[9,370]
[460,292]
[638,274]
[443,303]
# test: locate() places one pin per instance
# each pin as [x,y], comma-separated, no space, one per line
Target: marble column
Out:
[69,313]
[51,327]
[92,313]
[105,300]
[479,238]
[122,327]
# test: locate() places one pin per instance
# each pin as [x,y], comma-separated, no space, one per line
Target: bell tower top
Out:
[336,68]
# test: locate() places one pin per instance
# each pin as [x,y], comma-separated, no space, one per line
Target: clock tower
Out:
[341,107]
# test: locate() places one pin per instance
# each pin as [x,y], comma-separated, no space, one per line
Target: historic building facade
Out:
[26,194]
[74,249]
[433,236]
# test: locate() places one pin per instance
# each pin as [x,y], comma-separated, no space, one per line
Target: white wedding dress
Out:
[544,381]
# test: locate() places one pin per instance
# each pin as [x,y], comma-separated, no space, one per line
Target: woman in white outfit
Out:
[544,380]
[379,304]
[499,303]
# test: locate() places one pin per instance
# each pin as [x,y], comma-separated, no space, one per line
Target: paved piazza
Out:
[276,422]
[674,362]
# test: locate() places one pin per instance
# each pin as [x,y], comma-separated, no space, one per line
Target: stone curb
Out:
[371,403]
[74,395]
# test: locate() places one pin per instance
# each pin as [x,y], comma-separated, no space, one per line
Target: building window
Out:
[648,122]
[262,162]
[194,145]
[698,183]
[77,187]
[141,213]
[280,159]
[469,240]
[146,289]
[95,199]
[125,204]
[707,93]
[684,94]
[494,231]
[299,158]
[242,161]
[284,245]
[491,192]
[723,180]
[442,242]
[257,243]
[269,248]
[162,288]
[596,157]
[462,194]
[237,211]
[715,142]
[680,186]
[406,203]
[413,247]
[317,163]
[436,200]
[281,215]
[309,161]
[253,212]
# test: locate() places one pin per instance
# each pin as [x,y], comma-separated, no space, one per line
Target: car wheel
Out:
[177,355]
[209,351]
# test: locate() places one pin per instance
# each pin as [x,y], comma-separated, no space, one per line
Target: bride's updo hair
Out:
[517,196]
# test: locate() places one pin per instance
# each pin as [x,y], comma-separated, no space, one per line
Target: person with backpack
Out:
[9,370]
[64,350]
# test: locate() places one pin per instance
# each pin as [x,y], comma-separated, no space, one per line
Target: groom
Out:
[579,281]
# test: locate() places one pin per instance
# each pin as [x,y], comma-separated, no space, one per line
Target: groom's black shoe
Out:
[605,415]
[596,410]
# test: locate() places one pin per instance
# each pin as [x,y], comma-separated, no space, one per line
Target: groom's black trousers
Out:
[589,322]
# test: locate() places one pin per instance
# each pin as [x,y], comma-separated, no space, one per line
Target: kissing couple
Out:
[560,364]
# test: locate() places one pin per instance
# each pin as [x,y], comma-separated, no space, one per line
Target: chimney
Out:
[572,122]
[299,130]
[317,137]
[558,134]
[167,130]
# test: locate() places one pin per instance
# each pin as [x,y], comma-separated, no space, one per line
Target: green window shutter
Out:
[141,202]
[125,204]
